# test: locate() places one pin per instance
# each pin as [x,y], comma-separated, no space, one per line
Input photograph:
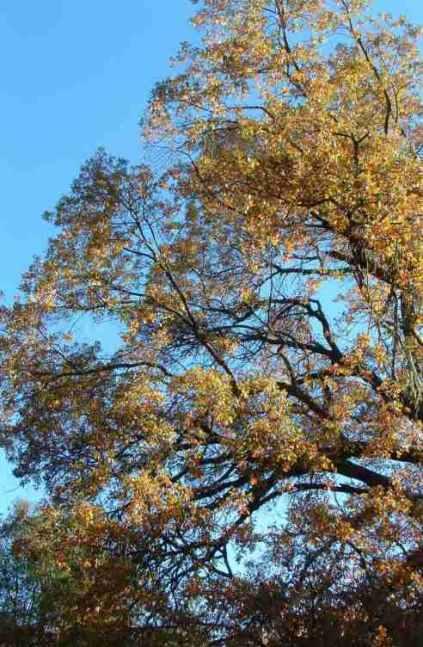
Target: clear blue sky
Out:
[76,75]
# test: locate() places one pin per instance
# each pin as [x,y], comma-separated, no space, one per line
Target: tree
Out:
[26,586]
[18,591]
[266,288]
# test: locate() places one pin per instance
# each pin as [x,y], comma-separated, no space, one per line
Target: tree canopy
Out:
[265,292]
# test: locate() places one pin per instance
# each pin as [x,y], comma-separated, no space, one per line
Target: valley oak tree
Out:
[244,466]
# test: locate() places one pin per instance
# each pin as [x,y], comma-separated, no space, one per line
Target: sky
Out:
[76,75]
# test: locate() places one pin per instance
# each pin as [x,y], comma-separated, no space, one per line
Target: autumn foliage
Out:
[240,462]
